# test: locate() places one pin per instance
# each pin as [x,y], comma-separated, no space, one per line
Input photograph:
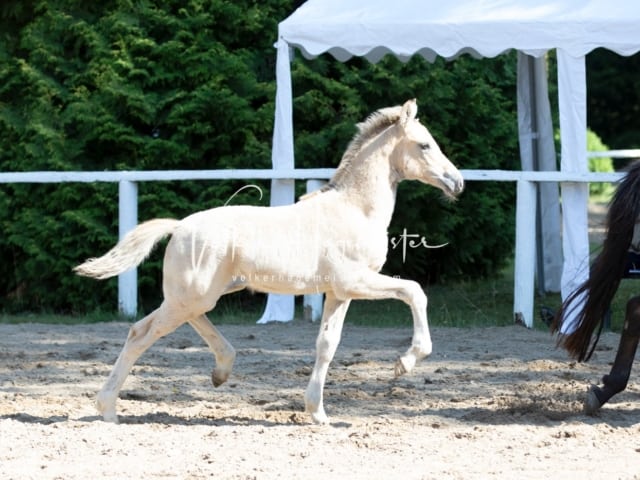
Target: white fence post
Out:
[525,261]
[312,303]
[127,220]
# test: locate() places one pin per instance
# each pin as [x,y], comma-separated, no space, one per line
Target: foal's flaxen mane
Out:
[371,127]
[375,124]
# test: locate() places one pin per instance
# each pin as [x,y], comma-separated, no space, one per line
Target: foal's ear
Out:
[409,112]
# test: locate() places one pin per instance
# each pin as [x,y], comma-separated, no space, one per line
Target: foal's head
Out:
[418,156]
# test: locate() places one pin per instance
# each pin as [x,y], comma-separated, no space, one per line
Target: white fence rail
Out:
[163,175]
[128,207]
[293,174]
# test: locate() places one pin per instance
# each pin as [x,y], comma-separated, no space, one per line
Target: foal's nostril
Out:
[457,181]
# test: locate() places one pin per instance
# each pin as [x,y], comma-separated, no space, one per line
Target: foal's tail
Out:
[130,251]
[606,270]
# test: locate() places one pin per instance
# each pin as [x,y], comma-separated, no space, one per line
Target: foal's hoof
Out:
[218,377]
[398,368]
[108,411]
[319,417]
[110,418]
[403,365]
[592,403]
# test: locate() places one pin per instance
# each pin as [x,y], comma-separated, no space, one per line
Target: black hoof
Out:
[547,315]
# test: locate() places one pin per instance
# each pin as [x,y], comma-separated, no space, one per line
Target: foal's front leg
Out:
[372,285]
[616,380]
[421,345]
[333,315]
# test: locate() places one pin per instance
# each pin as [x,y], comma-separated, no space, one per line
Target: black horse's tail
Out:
[606,271]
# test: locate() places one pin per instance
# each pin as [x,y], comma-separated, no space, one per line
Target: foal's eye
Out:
[425,146]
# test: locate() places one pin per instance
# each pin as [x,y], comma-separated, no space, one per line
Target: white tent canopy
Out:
[482,28]
[403,28]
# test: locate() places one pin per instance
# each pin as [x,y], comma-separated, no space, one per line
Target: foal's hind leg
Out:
[142,335]
[221,348]
[618,377]
[333,314]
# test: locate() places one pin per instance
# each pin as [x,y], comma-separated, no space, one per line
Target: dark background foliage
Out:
[614,98]
[190,84]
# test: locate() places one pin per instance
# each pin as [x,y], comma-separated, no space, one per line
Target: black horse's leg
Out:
[618,377]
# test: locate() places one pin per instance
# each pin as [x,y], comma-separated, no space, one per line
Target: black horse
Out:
[595,295]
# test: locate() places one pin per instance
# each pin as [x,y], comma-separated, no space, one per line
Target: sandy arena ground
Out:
[489,403]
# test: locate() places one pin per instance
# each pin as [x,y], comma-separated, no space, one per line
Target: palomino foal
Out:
[332,241]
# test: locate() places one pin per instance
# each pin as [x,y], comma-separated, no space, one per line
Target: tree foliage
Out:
[613,87]
[190,84]
[599,164]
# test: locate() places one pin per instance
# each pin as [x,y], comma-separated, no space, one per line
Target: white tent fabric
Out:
[374,28]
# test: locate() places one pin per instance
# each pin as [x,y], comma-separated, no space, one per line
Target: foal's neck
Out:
[372,186]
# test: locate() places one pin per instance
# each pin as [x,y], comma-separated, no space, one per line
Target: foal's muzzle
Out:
[453,182]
